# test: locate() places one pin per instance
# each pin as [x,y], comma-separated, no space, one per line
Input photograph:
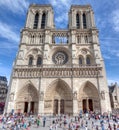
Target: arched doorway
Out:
[58,98]
[88,98]
[27,100]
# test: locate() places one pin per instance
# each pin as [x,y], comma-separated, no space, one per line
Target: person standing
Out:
[44,121]
[102,126]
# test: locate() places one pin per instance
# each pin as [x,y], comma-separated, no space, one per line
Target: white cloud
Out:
[7,32]
[112,81]
[115,20]
[106,56]
[61,8]
[16,6]
[61,3]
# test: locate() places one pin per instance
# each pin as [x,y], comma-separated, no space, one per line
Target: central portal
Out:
[58,98]
[58,106]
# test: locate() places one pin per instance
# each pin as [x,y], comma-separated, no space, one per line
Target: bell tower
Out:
[40,17]
[81,17]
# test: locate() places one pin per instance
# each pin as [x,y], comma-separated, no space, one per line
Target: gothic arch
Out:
[90,58]
[28,88]
[37,51]
[59,85]
[81,60]
[27,99]
[58,91]
[88,97]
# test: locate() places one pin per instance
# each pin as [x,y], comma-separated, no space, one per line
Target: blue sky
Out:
[12,20]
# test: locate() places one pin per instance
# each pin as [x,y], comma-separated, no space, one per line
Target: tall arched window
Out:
[88,61]
[35,26]
[39,61]
[77,21]
[86,39]
[84,21]
[43,22]
[80,61]
[30,60]
[78,39]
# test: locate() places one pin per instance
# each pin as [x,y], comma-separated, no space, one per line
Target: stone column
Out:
[88,20]
[29,106]
[74,19]
[59,107]
[75,104]
[48,19]
[87,105]
[41,104]
[92,18]
[40,18]
[81,21]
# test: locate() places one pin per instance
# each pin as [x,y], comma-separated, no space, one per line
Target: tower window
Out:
[115,97]
[36,21]
[39,61]
[84,21]
[80,61]
[43,21]
[88,62]
[30,61]
[77,21]
[86,39]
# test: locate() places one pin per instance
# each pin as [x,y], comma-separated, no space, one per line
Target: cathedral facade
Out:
[59,71]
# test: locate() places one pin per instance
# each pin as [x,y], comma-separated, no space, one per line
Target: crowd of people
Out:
[87,121]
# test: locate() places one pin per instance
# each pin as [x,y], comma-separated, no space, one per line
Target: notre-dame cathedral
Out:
[59,71]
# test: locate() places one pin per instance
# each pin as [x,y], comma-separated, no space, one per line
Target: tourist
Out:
[44,121]
[51,127]
[38,122]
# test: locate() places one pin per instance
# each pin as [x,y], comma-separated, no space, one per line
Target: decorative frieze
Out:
[30,72]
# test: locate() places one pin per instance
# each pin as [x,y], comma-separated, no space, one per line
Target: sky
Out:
[13,16]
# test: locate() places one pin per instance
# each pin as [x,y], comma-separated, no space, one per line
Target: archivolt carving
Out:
[88,90]
[48,104]
[28,93]
[33,51]
[58,89]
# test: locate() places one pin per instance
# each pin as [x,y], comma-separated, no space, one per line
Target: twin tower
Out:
[58,71]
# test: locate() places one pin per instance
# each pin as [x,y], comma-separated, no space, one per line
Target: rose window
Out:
[60,58]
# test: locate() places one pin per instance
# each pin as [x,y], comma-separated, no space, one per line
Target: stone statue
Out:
[75,95]
[11,97]
[103,95]
[41,96]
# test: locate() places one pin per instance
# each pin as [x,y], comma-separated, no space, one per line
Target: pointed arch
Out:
[77,20]
[88,60]
[39,61]
[84,21]
[36,19]
[30,62]
[27,98]
[43,21]
[81,60]
[58,97]
[88,97]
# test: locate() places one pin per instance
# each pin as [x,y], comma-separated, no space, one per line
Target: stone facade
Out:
[59,71]
[3,92]
[114,96]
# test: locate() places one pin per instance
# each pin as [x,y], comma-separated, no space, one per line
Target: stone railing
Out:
[58,66]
